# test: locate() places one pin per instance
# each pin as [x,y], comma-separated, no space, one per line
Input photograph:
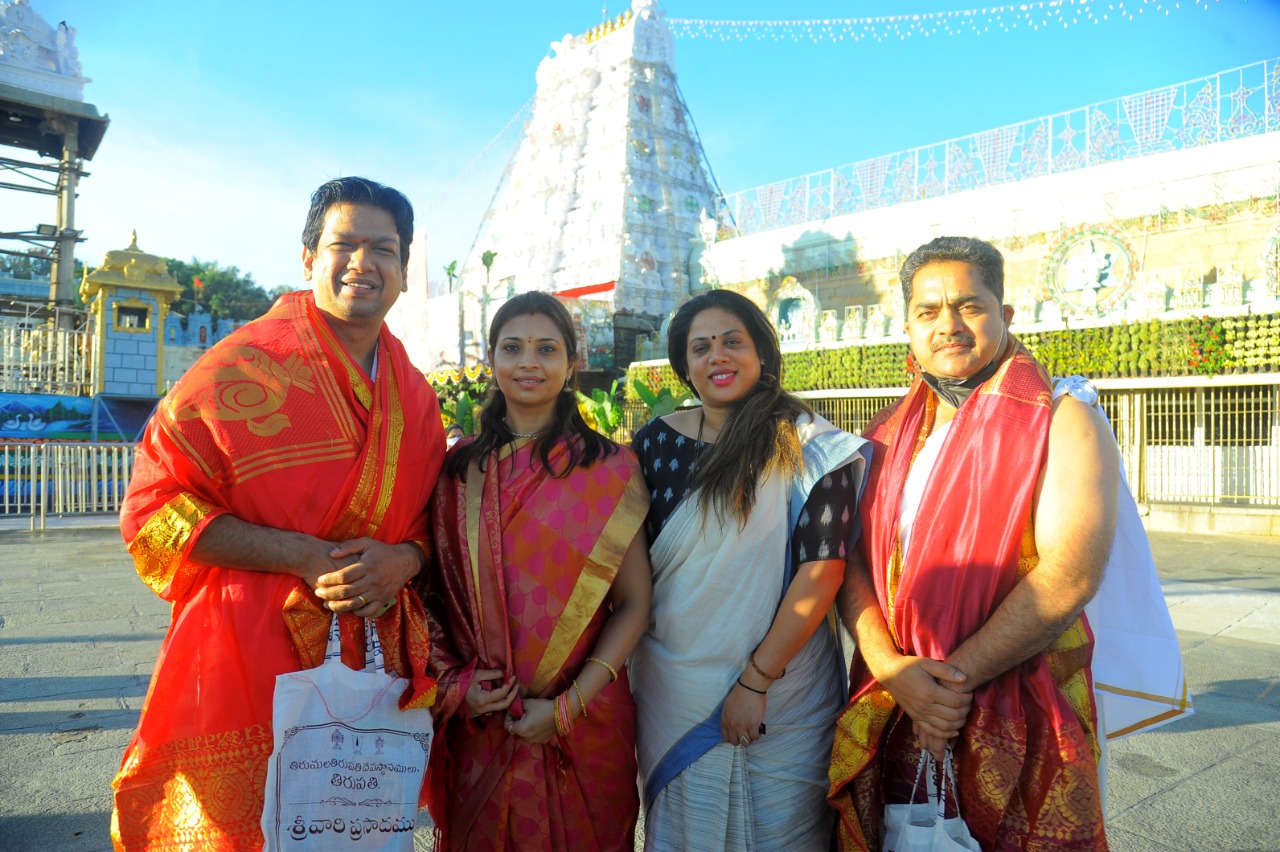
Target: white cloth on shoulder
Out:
[1138,676]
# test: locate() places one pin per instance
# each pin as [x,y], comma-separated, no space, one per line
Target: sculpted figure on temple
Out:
[701,276]
[68,55]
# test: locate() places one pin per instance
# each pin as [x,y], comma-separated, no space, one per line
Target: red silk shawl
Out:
[525,561]
[278,426]
[1026,760]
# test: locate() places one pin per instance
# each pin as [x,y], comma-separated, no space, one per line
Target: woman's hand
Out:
[742,717]
[538,724]
[488,694]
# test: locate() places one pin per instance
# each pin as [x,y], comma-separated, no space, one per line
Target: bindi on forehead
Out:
[715,336]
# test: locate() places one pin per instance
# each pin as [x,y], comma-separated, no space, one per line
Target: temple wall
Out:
[1186,231]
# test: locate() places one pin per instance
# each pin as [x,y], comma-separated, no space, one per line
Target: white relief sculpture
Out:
[852,323]
[36,56]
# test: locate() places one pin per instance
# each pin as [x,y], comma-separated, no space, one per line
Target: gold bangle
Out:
[581,703]
[764,674]
[559,725]
[613,673]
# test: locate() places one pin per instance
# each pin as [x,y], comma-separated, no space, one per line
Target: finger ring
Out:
[362,600]
[744,740]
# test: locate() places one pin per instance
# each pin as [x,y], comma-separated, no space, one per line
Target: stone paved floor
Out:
[79,634]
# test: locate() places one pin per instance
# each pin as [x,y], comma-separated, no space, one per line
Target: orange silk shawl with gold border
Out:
[279,427]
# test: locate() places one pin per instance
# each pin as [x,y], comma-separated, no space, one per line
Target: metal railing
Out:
[1232,104]
[1216,445]
[1210,443]
[1180,443]
[46,360]
[1181,440]
[39,480]
[852,410]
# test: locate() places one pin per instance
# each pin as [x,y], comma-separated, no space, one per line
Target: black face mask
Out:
[955,391]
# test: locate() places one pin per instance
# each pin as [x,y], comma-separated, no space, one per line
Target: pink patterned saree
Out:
[524,565]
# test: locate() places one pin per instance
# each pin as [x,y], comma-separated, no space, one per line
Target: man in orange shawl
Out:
[282,481]
[986,528]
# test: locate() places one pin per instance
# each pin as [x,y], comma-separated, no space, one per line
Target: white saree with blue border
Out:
[717,588]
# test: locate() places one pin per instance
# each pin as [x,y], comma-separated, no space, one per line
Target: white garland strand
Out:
[1032,16]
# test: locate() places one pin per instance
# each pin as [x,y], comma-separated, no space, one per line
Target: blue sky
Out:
[224,116]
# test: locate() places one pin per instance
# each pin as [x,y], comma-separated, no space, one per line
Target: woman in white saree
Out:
[739,679]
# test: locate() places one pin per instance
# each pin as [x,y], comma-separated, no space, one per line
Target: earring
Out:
[567,380]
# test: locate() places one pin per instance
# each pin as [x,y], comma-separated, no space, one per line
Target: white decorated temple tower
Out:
[602,201]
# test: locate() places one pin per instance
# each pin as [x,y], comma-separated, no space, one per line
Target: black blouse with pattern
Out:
[825,523]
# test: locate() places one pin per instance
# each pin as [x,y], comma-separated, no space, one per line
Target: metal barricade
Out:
[20,468]
[72,478]
[1212,442]
[851,410]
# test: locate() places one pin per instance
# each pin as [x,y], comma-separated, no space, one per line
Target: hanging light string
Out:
[1008,18]
[448,189]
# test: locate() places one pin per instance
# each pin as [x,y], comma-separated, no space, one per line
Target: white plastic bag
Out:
[348,763]
[898,816]
[924,827]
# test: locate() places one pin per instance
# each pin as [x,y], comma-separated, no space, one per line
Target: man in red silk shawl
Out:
[986,527]
[284,479]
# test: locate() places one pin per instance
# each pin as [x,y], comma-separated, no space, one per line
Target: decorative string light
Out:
[1006,18]
[447,191]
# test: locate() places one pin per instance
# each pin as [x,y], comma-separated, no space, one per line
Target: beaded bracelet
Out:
[613,673]
[582,703]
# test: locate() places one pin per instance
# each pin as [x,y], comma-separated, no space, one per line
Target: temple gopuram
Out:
[1141,237]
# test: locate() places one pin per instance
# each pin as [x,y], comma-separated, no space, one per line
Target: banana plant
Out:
[464,411]
[663,402]
[601,410]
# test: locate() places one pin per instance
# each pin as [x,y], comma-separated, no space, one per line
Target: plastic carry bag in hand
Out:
[348,763]
[924,827]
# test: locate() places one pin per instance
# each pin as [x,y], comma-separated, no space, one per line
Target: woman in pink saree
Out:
[540,590]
